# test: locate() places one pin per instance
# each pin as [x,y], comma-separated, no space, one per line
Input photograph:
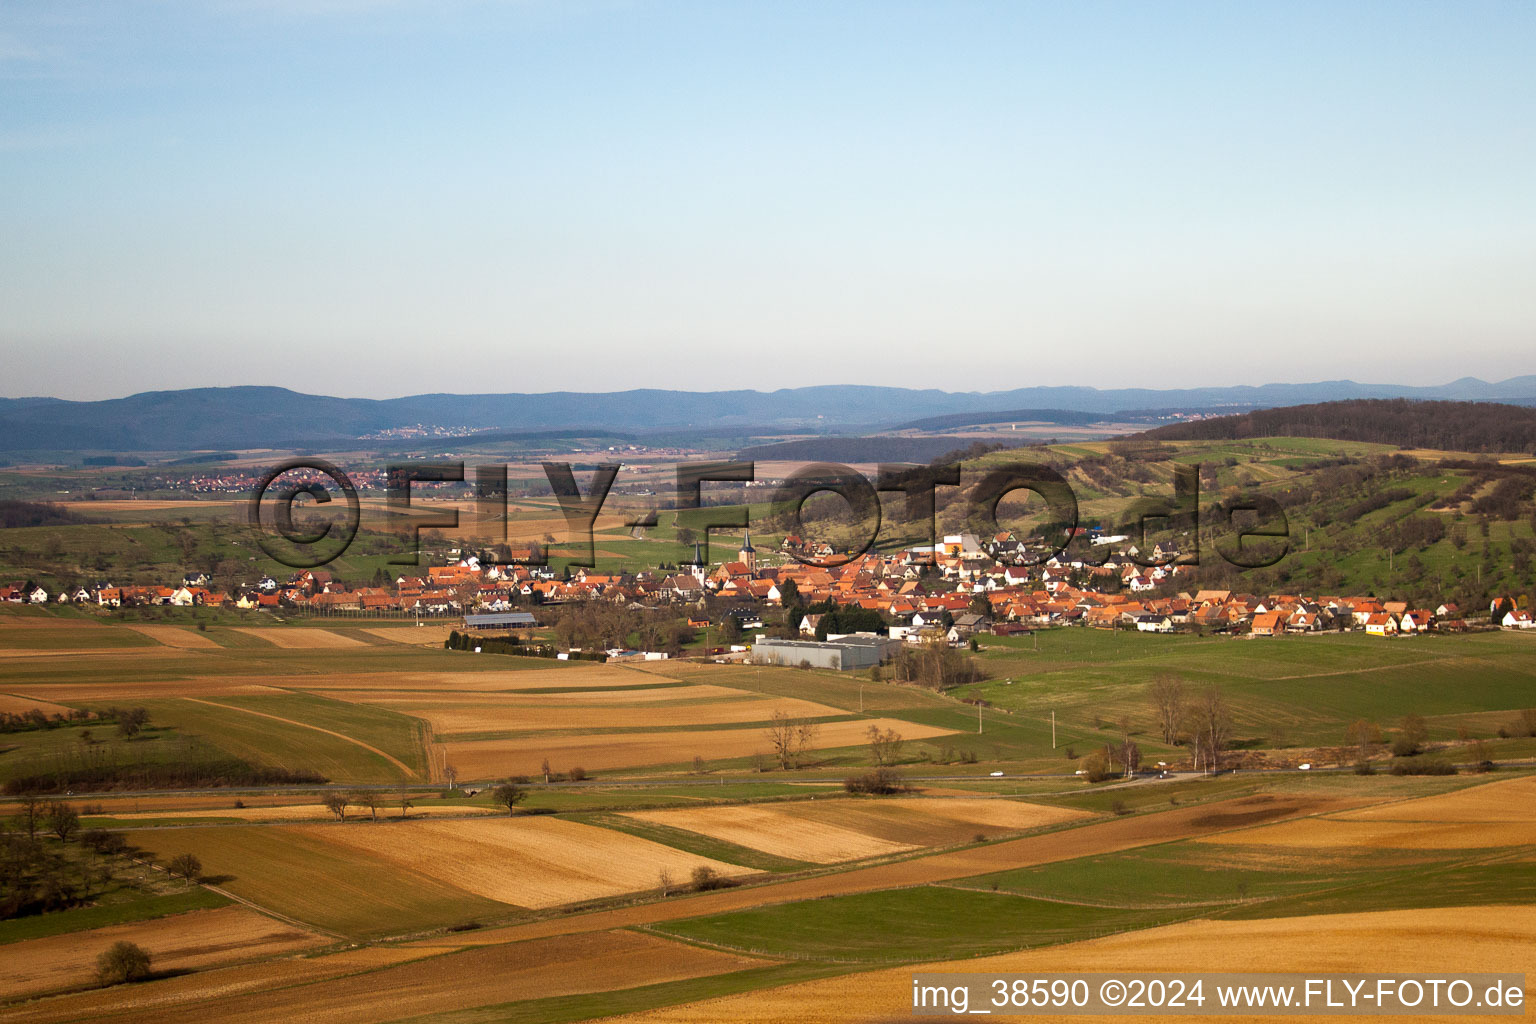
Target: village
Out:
[952,592]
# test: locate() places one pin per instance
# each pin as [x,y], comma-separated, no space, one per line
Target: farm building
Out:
[501,620]
[849,652]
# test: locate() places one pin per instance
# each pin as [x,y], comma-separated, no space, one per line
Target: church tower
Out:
[748,554]
[698,567]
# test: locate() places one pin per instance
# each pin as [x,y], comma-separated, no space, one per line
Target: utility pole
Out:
[1053,730]
[978,719]
[861,698]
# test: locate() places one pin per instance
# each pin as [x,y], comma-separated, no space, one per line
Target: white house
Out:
[1518,619]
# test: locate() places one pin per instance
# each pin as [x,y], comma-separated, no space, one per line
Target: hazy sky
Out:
[386,198]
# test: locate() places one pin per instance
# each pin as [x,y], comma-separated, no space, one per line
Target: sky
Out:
[377,198]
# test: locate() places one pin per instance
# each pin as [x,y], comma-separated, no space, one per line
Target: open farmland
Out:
[531,861]
[1497,939]
[829,831]
[558,967]
[199,939]
[330,886]
[301,639]
[529,716]
[1494,815]
[483,759]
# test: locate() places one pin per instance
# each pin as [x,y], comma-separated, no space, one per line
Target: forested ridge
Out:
[1454,426]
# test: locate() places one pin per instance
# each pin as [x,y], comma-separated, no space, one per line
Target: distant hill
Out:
[256,417]
[1457,426]
[858,449]
[954,421]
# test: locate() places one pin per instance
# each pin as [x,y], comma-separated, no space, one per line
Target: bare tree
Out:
[405,800]
[63,820]
[508,795]
[1167,694]
[369,798]
[884,747]
[452,775]
[1214,724]
[544,767]
[336,802]
[185,865]
[29,813]
[664,881]
[790,737]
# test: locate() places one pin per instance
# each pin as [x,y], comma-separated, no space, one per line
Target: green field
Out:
[922,923]
[328,887]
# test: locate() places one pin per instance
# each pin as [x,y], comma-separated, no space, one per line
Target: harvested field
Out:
[524,861]
[779,831]
[389,809]
[177,636]
[1497,939]
[209,984]
[1089,840]
[1507,800]
[183,942]
[1325,833]
[641,696]
[116,690]
[830,831]
[479,759]
[18,704]
[496,717]
[299,639]
[480,675]
[479,977]
[426,635]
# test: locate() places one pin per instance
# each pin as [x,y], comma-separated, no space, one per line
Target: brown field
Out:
[183,942]
[640,696]
[1325,833]
[17,704]
[1491,815]
[1508,800]
[112,689]
[522,755]
[86,507]
[209,984]
[479,675]
[299,639]
[1093,839]
[829,831]
[177,636]
[523,861]
[433,634]
[597,962]
[390,808]
[486,717]
[1496,939]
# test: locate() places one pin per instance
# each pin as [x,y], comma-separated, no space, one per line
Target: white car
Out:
[997,775]
[1306,766]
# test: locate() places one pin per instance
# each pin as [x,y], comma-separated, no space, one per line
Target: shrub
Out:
[1364,768]
[578,774]
[123,962]
[1096,767]
[876,782]
[706,878]
[1423,766]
